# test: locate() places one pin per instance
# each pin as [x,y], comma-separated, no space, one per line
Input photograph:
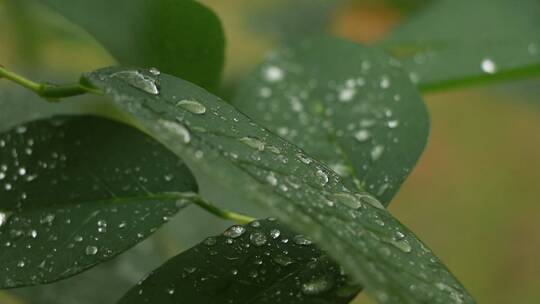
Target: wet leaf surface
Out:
[244,158]
[78,190]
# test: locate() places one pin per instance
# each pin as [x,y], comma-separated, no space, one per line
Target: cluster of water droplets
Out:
[59,216]
[295,186]
[263,256]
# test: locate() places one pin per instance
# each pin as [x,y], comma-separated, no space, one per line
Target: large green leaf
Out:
[247,159]
[456,42]
[345,104]
[263,262]
[180,37]
[77,191]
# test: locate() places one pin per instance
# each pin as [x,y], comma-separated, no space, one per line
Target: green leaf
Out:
[263,262]
[250,161]
[76,191]
[460,42]
[180,37]
[344,104]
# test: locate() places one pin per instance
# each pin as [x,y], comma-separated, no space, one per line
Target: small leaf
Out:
[457,42]
[345,104]
[76,191]
[263,262]
[180,37]
[260,167]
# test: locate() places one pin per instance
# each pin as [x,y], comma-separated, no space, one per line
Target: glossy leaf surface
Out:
[247,159]
[345,104]
[78,190]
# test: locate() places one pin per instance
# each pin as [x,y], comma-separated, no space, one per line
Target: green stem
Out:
[44,89]
[222,213]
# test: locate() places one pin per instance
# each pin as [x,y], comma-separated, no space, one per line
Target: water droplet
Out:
[302,240]
[176,128]
[273,73]
[210,241]
[303,158]
[4,217]
[253,142]
[282,260]
[346,94]
[385,82]
[271,179]
[91,250]
[139,81]
[258,238]
[234,231]
[365,198]
[377,152]
[393,124]
[275,233]
[255,224]
[362,135]
[192,106]
[316,286]
[489,66]
[21,264]
[402,245]
[154,71]
[322,177]
[47,219]
[170,291]
[347,199]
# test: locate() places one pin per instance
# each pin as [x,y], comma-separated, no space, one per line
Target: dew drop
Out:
[275,233]
[210,241]
[347,94]
[234,231]
[282,260]
[176,128]
[365,198]
[139,81]
[154,71]
[258,238]
[170,291]
[393,124]
[385,82]
[192,106]
[362,135]
[376,152]
[316,286]
[302,240]
[273,74]
[303,158]
[271,179]
[322,177]
[253,142]
[489,66]
[347,199]
[4,217]
[91,250]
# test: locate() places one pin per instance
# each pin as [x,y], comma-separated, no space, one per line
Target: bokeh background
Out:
[473,198]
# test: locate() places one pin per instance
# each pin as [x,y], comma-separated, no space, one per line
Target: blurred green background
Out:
[472,198]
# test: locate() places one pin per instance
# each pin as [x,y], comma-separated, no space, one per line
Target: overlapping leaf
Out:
[263,262]
[181,37]
[345,104]
[247,159]
[76,191]
[455,42]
